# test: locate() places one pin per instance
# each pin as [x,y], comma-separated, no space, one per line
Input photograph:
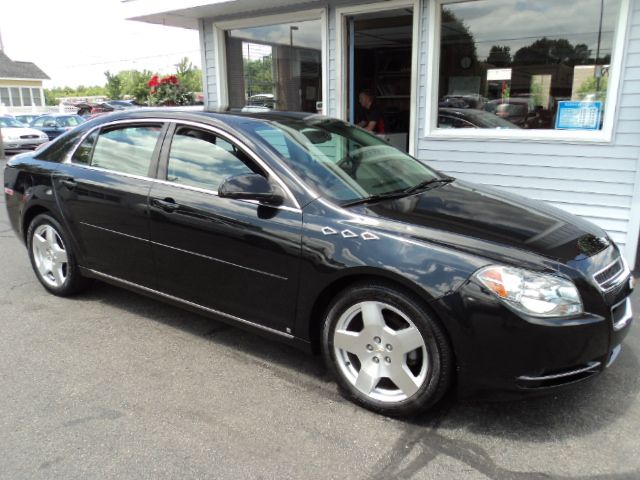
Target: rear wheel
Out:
[52,257]
[387,353]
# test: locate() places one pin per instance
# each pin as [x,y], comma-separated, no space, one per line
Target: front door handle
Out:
[168,204]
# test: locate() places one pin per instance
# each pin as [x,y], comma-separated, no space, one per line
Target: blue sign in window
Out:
[579,115]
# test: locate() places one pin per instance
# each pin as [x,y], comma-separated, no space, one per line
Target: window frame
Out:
[12,103]
[160,158]
[432,132]
[163,168]
[99,130]
[341,57]
[220,49]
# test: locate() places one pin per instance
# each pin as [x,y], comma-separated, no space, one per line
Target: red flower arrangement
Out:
[168,91]
[153,82]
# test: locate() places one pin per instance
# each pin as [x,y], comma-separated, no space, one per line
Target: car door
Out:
[233,256]
[38,124]
[103,192]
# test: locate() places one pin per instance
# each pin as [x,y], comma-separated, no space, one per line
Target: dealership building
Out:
[537,97]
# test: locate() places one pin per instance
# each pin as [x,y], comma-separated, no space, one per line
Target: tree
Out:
[52,96]
[114,86]
[134,84]
[499,56]
[546,51]
[190,76]
[594,89]
[259,75]
[457,40]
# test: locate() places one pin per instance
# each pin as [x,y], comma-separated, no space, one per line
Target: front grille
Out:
[29,136]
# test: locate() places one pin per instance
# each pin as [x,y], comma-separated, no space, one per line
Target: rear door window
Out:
[126,149]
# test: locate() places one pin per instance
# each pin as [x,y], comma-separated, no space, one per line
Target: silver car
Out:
[15,136]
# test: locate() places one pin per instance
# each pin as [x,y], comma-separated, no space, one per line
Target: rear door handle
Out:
[168,204]
[69,182]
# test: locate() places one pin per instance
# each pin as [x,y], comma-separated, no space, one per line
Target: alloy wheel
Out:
[50,255]
[380,351]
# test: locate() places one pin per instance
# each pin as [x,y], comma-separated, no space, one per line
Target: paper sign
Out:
[498,74]
[579,115]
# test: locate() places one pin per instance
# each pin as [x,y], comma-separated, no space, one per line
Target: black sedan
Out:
[471,118]
[310,230]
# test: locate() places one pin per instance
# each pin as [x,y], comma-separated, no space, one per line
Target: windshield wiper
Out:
[375,198]
[427,183]
[399,193]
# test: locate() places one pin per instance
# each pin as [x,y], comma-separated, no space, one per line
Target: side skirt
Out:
[202,310]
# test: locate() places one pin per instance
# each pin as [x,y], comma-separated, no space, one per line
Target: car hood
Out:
[476,218]
[18,131]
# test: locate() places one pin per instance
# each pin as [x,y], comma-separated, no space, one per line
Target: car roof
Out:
[229,118]
[462,112]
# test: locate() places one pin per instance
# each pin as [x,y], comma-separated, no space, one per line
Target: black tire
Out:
[439,366]
[73,282]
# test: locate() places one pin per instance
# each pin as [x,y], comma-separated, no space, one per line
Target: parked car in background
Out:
[522,111]
[470,118]
[119,104]
[26,119]
[55,125]
[463,101]
[514,110]
[313,231]
[16,136]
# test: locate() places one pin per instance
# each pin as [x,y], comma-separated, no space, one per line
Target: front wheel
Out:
[387,353]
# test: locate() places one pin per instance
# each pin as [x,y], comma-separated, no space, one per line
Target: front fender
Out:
[339,247]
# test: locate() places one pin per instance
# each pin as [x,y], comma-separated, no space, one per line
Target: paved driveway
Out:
[111,384]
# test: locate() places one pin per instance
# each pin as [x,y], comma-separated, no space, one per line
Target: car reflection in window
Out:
[126,150]
[202,160]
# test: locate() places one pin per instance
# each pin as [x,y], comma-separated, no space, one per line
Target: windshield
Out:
[7,122]
[340,161]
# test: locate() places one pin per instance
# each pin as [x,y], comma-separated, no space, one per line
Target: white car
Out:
[15,136]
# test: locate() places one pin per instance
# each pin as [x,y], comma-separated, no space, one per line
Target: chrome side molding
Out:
[590,366]
[110,278]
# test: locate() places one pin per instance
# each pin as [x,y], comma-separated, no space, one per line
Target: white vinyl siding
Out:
[209,81]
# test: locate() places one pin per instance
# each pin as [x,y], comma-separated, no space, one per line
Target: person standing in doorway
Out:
[372,116]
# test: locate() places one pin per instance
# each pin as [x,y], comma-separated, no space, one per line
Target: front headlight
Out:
[10,136]
[532,293]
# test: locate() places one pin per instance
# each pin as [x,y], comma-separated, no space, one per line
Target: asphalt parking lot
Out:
[115,385]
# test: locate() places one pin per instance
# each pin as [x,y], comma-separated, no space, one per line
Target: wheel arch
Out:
[331,290]
[29,214]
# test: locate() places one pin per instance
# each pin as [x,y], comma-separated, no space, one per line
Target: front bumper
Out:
[500,352]
[24,143]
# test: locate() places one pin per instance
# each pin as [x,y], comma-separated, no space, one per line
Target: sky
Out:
[76,41]
[519,23]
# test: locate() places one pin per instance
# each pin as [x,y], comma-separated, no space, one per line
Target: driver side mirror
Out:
[251,187]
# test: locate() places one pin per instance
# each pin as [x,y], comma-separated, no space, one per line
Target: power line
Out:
[129,59]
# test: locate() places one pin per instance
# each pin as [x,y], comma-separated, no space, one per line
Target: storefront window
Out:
[538,64]
[276,67]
